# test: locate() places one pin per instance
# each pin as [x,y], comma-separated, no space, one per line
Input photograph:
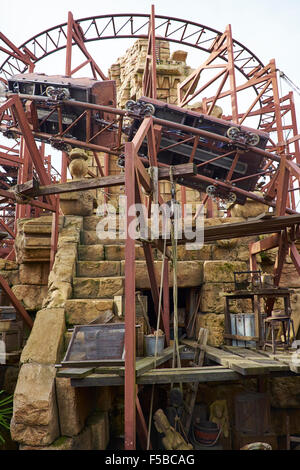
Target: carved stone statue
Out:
[77,202]
[172,439]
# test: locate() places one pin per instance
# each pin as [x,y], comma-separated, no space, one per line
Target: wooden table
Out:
[255,296]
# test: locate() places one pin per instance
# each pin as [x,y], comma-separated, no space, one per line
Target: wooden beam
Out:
[241,229]
[265,244]
[188,375]
[107,181]
[160,376]
[242,366]
[147,363]
[246,353]
[75,373]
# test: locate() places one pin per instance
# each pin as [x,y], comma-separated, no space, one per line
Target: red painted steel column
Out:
[153,53]
[69,45]
[166,301]
[231,70]
[130,339]
[106,173]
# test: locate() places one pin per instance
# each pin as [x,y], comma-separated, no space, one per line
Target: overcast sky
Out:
[269,28]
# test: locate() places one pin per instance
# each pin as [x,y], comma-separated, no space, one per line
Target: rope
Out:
[156,339]
[175,301]
[181,429]
[176,353]
[289,81]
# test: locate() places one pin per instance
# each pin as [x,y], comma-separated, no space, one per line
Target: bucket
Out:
[206,432]
[150,341]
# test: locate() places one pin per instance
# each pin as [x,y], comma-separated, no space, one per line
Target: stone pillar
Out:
[81,202]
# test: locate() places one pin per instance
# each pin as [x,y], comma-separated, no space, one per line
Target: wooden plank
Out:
[266,244]
[247,367]
[187,375]
[243,229]
[294,367]
[142,365]
[214,354]
[107,181]
[252,355]
[234,362]
[98,380]
[160,376]
[107,363]
[74,372]
[241,338]
[284,358]
[119,370]
[148,363]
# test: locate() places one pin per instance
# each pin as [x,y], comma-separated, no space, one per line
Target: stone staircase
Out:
[100,270]
[99,274]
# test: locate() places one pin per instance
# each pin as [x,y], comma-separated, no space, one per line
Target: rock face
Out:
[74,405]
[215,325]
[94,436]
[32,296]
[250,209]
[82,311]
[33,240]
[61,276]
[285,392]
[49,324]
[35,419]
[81,203]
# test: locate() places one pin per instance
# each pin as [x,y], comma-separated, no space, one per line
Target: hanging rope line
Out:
[176,354]
[156,338]
[289,81]
[174,220]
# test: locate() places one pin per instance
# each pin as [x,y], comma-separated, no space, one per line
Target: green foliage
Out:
[5,413]
[60,441]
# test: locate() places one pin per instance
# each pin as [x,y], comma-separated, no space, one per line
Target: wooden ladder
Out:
[192,388]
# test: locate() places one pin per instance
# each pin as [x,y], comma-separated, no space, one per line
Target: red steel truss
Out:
[27,184]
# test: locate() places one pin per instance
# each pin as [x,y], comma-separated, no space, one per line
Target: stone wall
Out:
[47,412]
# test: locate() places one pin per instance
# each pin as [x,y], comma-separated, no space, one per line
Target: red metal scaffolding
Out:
[29,186]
